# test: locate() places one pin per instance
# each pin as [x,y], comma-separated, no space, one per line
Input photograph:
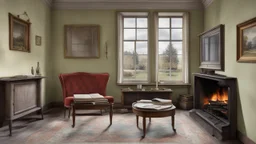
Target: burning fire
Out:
[218,96]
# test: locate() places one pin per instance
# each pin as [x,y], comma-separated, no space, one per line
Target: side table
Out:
[146,113]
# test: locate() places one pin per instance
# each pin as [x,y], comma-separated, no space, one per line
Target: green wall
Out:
[20,63]
[231,13]
[107,21]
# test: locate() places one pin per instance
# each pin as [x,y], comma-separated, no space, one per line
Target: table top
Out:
[153,110]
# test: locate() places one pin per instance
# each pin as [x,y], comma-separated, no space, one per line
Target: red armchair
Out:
[83,83]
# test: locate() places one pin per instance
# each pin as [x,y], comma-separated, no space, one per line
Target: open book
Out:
[90,98]
[157,101]
[161,101]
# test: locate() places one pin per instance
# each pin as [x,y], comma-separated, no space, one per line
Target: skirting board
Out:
[244,139]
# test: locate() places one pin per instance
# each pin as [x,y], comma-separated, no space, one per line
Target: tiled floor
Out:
[95,129]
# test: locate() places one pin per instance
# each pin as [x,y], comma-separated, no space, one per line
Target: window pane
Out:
[164,34]
[176,22]
[142,60]
[129,22]
[164,23]
[128,47]
[142,34]
[176,34]
[142,22]
[170,62]
[177,46]
[162,47]
[128,60]
[142,47]
[163,66]
[129,34]
[141,75]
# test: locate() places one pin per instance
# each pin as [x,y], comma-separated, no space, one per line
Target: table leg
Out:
[144,127]
[173,123]
[149,119]
[111,113]
[137,120]
[74,115]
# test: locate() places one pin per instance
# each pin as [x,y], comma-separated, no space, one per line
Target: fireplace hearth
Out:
[215,104]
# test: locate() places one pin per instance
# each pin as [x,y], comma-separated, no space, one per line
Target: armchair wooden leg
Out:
[69,112]
[101,111]
[65,112]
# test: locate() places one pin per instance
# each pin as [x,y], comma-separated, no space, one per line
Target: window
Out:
[133,37]
[170,48]
[167,52]
[135,48]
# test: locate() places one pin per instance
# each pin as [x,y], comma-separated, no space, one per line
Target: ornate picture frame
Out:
[19,34]
[246,41]
[82,41]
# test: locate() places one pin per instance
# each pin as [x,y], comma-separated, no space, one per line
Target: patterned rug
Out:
[55,129]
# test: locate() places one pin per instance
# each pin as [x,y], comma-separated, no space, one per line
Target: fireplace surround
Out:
[215,102]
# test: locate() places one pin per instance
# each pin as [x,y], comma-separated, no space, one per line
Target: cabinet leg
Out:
[10,127]
[1,123]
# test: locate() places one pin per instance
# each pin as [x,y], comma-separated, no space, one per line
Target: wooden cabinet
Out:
[19,96]
[130,96]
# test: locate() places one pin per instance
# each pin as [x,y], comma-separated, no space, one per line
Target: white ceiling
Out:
[128,4]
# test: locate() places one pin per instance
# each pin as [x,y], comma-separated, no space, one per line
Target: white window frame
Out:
[120,39]
[185,40]
[154,62]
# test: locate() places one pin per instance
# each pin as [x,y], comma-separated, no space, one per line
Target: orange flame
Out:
[217,96]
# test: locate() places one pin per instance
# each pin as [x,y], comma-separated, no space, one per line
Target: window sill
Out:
[153,84]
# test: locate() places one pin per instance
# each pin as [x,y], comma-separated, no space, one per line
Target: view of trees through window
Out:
[170,49]
[135,48]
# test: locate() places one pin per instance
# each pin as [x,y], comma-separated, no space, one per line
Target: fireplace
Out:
[215,104]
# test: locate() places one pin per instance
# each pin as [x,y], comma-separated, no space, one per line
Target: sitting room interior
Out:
[188,53]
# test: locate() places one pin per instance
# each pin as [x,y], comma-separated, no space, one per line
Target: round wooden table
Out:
[148,113]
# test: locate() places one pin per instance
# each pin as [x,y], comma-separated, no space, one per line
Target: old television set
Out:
[212,49]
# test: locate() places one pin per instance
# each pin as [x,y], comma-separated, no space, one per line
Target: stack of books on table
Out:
[93,98]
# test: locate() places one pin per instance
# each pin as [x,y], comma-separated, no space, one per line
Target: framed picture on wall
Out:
[38,40]
[246,41]
[19,34]
[82,41]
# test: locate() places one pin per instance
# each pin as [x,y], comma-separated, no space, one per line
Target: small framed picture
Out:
[38,40]
[19,34]
[246,41]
